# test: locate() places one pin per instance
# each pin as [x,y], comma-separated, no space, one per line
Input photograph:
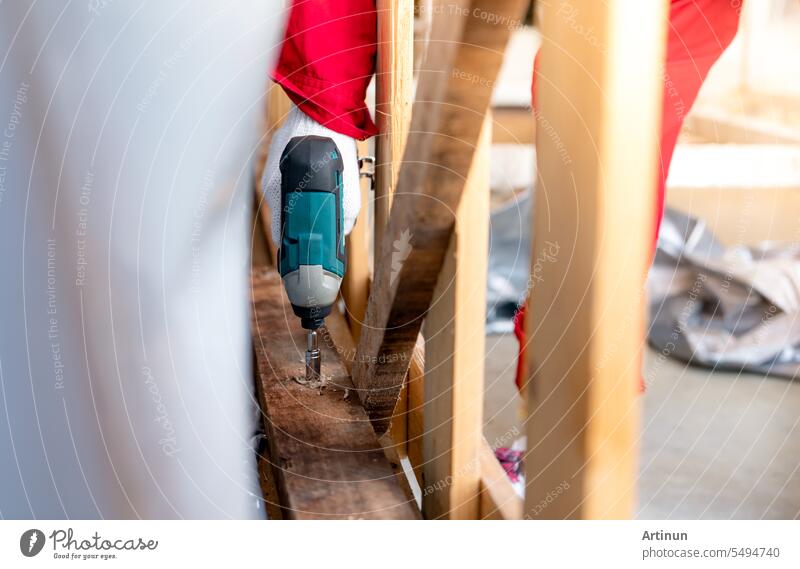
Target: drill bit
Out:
[312,357]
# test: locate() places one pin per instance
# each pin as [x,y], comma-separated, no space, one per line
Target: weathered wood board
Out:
[325,458]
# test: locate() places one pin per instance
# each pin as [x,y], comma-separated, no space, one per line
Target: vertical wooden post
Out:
[355,286]
[278,105]
[597,140]
[393,100]
[415,424]
[454,355]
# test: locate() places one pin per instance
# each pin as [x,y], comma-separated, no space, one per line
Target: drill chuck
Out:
[313,363]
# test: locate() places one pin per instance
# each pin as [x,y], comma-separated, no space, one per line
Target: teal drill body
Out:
[312,256]
[311,233]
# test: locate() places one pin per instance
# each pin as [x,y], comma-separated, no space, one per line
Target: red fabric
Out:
[327,60]
[519,332]
[699,31]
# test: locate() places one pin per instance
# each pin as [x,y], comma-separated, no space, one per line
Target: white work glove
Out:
[297,123]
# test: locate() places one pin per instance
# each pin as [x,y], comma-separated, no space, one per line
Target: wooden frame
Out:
[455,354]
[594,215]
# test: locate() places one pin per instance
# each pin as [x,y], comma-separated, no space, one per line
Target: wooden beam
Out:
[498,499]
[513,125]
[337,335]
[455,355]
[267,482]
[355,285]
[592,242]
[415,425]
[746,193]
[452,97]
[278,105]
[393,96]
[260,251]
[718,125]
[780,108]
[325,458]
[743,216]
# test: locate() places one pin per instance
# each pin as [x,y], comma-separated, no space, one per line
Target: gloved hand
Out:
[298,123]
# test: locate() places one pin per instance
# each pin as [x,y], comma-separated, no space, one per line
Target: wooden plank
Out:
[513,125]
[455,353]
[267,482]
[337,336]
[718,125]
[746,193]
[498,499]
[355,285]
[779,108]
[593,224]
[452,97]
[393,96]
[325,458]
[398,426]
[260,251]
[743,216]
[278,105]
[415,426]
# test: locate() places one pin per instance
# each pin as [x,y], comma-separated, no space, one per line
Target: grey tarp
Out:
[509,262]
[730,308]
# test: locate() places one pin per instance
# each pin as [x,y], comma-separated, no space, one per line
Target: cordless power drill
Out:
[311,258]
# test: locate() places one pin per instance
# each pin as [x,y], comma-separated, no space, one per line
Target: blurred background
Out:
[720,435]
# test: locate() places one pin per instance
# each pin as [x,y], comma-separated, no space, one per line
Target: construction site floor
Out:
[714,445]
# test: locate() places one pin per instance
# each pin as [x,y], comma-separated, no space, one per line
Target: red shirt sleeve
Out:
[327,60]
